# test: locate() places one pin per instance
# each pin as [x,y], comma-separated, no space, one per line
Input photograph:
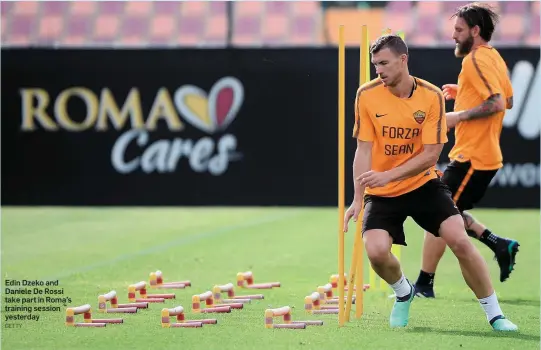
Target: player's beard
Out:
[464,48]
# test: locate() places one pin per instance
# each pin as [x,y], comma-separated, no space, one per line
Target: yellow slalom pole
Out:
[356,272]
[341,169]
[353,272]
[365,77]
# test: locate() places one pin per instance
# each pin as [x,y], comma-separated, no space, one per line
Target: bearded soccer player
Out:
[400,129]
[482,95]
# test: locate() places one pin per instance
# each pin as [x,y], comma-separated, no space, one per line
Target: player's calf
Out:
[378,245]
[477,230]
[475,272]
[472,264]
[433,250]
[505,250]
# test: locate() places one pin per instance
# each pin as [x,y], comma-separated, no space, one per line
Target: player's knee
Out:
[378,246]
[462,247]
[453,233]
[377,255]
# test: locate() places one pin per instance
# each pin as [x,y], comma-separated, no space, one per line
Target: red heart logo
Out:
[212,113]
[224,102]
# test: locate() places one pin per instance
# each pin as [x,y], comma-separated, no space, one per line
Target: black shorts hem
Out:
[398,236]
[467,185]
[429,206]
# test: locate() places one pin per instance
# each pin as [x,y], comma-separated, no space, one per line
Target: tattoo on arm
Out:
[486,109]
[510,102]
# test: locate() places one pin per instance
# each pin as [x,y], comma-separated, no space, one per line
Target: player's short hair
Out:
[391,41]
[479,14]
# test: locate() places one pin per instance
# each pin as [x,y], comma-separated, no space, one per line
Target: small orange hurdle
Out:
[246,280]
[181,321]
[285,312]
[326,295]
[86,310]
[208,298]
[156,281]
[144,297]
[115,306]
[230,289]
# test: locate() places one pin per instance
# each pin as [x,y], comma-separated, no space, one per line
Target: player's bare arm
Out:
[509,102]
[492,105]
[414,166]
[362,163]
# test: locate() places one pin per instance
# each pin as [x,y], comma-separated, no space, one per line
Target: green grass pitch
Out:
[92,251]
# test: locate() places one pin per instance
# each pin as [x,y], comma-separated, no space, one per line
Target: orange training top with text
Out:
[398,128]
[483,74]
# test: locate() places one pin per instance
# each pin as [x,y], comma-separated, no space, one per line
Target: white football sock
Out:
[401,287]
[491,306]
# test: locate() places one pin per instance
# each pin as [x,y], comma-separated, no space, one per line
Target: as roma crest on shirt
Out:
[419,116]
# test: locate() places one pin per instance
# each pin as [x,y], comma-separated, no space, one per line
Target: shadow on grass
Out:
[483,334]
[526,302]
[519,302]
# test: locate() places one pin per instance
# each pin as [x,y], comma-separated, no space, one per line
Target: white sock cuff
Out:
[491,297]
[401,287]
[491,306]
[399,282]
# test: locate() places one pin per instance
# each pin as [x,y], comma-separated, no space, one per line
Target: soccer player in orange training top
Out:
[483,93]
[400,129]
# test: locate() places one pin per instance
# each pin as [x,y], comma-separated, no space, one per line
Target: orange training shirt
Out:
[398,128]
[483,74]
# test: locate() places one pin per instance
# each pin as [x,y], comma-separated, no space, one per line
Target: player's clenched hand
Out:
[352,212]
[373,179]
[449,91]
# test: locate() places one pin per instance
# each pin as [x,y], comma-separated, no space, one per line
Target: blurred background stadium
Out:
[245,23]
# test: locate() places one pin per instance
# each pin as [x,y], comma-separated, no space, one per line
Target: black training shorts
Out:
[428,205]
[467,185]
